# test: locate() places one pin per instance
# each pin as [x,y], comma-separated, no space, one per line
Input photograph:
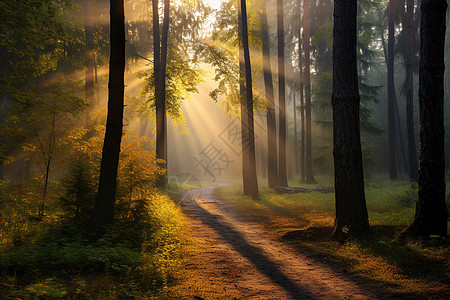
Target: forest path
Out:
[245,261]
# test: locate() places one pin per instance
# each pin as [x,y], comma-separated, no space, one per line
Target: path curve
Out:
[251,263]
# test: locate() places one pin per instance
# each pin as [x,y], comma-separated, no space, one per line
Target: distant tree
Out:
[302,111]
[272,158]
[309,177]
[104,205]
[248,133]
[431,211]
[391,92]
[409,61]
[351,211]
[90,52]
[282,172]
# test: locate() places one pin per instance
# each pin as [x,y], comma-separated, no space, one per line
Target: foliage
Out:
[182,79]
[409,197]
[137,173]
[183,73]
[222,53]
[77,200]
[141,257]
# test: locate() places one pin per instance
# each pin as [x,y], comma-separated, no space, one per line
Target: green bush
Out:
[408,198]
[78,198]
[139,254]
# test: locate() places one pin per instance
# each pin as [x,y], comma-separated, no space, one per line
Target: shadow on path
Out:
[254,254]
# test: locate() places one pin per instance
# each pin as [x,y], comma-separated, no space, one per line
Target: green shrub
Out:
[78,198]
[408,198]
[139,254]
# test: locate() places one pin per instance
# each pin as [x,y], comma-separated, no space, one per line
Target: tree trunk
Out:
[160,62]
[431,211]
[252,188]
[282,172]
[309,177]
[391,92]
[90,54]
[297,168]
[243,106]
[402,160]
[302,112]
[104,206]
[351,211]
[412,148]
[272,164]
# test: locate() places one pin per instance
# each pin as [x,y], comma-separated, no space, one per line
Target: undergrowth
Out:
[56,255]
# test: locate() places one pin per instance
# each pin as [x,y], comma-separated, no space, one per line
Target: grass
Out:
[180,184]
[51,258]
[408,269]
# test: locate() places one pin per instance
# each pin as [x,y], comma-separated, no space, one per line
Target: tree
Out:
[302,102]
[160,64]
[351,211]
[247,121]
[89,54]
[104,205]
[391,92]
[272,163]
[309,177]
[409,58]
[282,174]
[431,211]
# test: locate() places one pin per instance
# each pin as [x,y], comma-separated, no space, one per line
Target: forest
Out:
[224,149]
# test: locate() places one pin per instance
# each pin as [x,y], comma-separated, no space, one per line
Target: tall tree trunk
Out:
[351,211]
[309,177]
[302,112]
[162,82]
[104,206]
[252,188]
[89,55]
[160,62]
[282,172]
[412,148]
[272,157]
[391,92]
[297,168]
[243,106]
[431,211]
[403,161]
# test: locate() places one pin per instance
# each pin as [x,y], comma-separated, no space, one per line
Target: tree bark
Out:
[160,63]
[351,211]
[309,177]
[302,112]
[431,211]
[252,182]
[90,54]
[282,172]
[297,167]
[391,92]
[272,157]
[412,148]
[402,159]
[104,206]
[243,106]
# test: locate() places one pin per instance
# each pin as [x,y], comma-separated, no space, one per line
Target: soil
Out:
[245,261]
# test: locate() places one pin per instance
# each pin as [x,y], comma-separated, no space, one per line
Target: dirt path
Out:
[247,262]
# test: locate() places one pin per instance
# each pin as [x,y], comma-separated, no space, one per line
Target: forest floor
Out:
[236,258]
